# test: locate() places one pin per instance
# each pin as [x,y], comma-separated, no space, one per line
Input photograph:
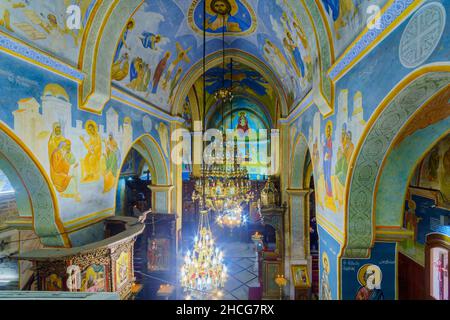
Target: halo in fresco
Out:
[240,19]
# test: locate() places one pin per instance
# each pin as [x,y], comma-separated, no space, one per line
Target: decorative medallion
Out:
[235,16]
[422,35]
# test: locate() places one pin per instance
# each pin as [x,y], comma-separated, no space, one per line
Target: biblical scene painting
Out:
[434,172]
[93,279]
[149,61]
[163,40]
[122,269]
[234,17]
[247,118]
[44,24]
[332,143]
[242,79]
[81,152]
[289,53]
[347,19]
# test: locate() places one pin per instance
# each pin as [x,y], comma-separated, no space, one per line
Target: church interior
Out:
[224,149]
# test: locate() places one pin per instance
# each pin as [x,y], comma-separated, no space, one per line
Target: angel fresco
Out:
[123,39]
[243,78]
[182,55]
[230,16]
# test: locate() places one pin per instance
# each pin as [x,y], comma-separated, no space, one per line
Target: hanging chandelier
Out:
[226,190]
[228,186]
[203,272]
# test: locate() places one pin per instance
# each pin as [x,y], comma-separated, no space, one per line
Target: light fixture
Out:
[203,273]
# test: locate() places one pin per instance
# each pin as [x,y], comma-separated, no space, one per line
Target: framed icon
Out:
[300,276]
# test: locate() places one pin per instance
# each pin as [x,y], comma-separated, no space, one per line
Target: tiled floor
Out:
[240,262]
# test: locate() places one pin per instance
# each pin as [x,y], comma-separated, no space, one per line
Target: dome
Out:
[56,91]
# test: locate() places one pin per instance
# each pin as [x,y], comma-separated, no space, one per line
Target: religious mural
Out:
[331,143]
[234,17]
[44,24]
[434,172]
[156,49]
[93,279]
[289,54]
[373,278]
[248,117]
[81,152]
[328,277]
[348,18]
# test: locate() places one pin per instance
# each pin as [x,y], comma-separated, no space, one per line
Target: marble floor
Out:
[242,275]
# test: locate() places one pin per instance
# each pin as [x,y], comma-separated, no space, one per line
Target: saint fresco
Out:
[235,17]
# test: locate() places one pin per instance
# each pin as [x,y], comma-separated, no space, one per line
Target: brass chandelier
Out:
[203,272]
[228,186]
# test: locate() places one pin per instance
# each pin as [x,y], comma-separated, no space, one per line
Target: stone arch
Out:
[35,195]
[391,115]
[161,188]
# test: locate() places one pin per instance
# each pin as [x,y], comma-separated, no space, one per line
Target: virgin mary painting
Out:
[229,16]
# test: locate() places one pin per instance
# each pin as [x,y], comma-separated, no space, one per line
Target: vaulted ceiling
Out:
[155,47]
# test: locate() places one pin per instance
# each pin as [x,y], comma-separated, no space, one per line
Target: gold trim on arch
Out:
[403,16]
[393,145]
[138,141]
[58,220]
[35,62]
[330,103]
[402,84]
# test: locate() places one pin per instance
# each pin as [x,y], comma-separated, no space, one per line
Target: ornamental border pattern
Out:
[368,162]
[386,20]
[27,51]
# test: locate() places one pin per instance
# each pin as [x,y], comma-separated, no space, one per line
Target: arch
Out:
[34,194]
[151,151]
[98,49]
[429,124]
[215,59]
[299,155]
[261,112]
[391,115]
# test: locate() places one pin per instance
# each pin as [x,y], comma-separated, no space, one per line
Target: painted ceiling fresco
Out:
[163,40]
[244,81]
[43,23]
[347,18]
